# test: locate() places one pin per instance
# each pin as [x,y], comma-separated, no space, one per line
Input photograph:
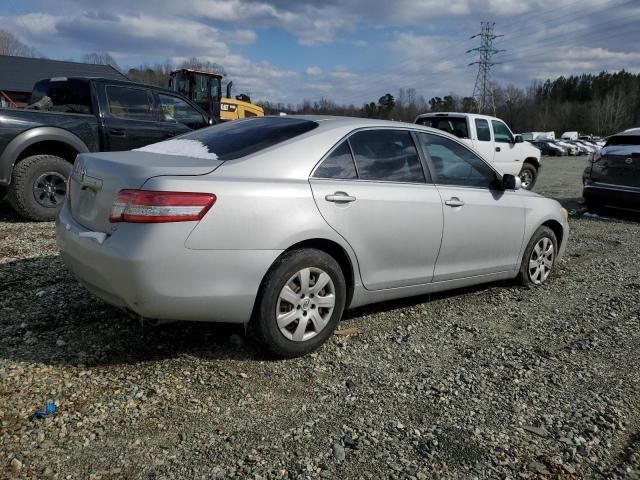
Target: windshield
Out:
[624,140]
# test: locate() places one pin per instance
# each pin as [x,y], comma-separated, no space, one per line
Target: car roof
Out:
[456,114]
[630,131]
[110,81]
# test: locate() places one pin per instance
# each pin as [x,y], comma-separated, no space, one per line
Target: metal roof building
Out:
[19,74]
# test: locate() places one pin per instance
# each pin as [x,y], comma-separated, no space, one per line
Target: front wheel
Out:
[539,257]
[528,176]
[300,303]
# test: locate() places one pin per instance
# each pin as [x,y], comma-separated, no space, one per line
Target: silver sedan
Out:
[280,223]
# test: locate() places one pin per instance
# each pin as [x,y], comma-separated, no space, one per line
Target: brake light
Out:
[148,206]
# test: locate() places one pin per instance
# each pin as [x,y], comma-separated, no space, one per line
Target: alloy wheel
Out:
[305,304]
[541,260]
[49,189]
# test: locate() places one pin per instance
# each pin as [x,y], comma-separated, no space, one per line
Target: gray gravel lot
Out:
[497,381]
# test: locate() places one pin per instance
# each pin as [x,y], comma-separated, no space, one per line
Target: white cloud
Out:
[313,71]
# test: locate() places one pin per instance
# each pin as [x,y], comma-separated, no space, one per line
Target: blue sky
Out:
[350,51]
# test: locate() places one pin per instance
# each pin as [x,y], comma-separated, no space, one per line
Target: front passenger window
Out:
[455,165]
[501,133]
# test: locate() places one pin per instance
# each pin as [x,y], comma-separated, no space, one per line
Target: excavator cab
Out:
[202,88]
[205,89]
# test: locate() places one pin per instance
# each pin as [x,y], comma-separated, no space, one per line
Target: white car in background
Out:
[493,139]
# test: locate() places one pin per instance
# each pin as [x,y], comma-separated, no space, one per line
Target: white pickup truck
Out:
[490,137]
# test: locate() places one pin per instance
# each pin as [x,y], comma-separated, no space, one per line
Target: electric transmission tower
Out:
[483,91]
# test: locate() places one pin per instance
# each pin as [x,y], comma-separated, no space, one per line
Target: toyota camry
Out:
[280,223]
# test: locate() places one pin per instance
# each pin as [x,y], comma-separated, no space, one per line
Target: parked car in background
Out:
[571,149]
[529,136]
[279,223]
[569,136]
[77,115]
[590,148]
[613,177]
[493,139]
[547,148]
[582,149]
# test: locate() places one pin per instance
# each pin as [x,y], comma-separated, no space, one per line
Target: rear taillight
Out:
[596,156]
[148,206]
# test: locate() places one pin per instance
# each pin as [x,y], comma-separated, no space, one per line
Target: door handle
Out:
[454,202]
[117,132]
[497,149]
[340,197]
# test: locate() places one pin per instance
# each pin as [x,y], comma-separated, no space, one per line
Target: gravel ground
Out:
[497,381]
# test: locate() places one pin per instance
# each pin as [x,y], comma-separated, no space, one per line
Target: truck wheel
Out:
[528,176]
[39,186]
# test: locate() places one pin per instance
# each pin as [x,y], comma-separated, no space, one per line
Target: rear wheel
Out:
[300,303]
[38,187]
[539,257]
[528,176]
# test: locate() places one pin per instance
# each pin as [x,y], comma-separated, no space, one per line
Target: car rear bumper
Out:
[147,269]
[612,195]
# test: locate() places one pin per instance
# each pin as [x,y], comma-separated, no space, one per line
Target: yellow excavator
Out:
[205,89]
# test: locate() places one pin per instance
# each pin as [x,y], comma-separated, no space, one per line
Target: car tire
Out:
[528,176]
[304,324]
[42,175]
[538,261]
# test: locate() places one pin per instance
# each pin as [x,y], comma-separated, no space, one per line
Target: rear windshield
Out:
[69,96]
[454,125]
[623,140]
[240,138]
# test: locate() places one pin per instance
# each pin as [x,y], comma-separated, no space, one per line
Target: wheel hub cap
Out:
[49,189]
[305,304]
[541,260]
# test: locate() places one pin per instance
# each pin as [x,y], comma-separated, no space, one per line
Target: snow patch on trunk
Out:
[182,147]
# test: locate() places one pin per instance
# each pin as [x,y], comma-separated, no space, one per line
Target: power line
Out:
[482,91]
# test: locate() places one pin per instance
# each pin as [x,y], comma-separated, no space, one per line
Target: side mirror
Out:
[518,139]
[511,182]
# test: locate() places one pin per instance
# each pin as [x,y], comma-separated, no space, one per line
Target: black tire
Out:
[524,275]
[264,328]
[528,172]
[3,192]
[25,175]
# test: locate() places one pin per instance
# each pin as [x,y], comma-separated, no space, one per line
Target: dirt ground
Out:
[497,381]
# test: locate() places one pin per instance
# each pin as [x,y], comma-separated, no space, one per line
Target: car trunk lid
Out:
[98,177]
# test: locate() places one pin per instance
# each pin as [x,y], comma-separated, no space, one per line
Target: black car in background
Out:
[613,177]
[75,115]
[546,149]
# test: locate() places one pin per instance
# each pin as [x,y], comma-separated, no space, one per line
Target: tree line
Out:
[598,104]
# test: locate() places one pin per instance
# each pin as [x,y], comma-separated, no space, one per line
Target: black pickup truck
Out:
[79,115]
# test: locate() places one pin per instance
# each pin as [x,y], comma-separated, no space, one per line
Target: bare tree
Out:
[103,58]
[12,45]
[205,65]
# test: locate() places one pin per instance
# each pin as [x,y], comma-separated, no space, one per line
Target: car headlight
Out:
[565,214]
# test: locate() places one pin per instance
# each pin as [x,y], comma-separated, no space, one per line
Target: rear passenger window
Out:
[339,164]
[132,103]
[388,155]
[484,132]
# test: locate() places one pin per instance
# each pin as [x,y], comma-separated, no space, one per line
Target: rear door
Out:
[619,163]
[382,205]
[483,225]
[130,119]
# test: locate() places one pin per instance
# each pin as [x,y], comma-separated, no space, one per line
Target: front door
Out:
[382,206]
[507,158]
[483,224]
